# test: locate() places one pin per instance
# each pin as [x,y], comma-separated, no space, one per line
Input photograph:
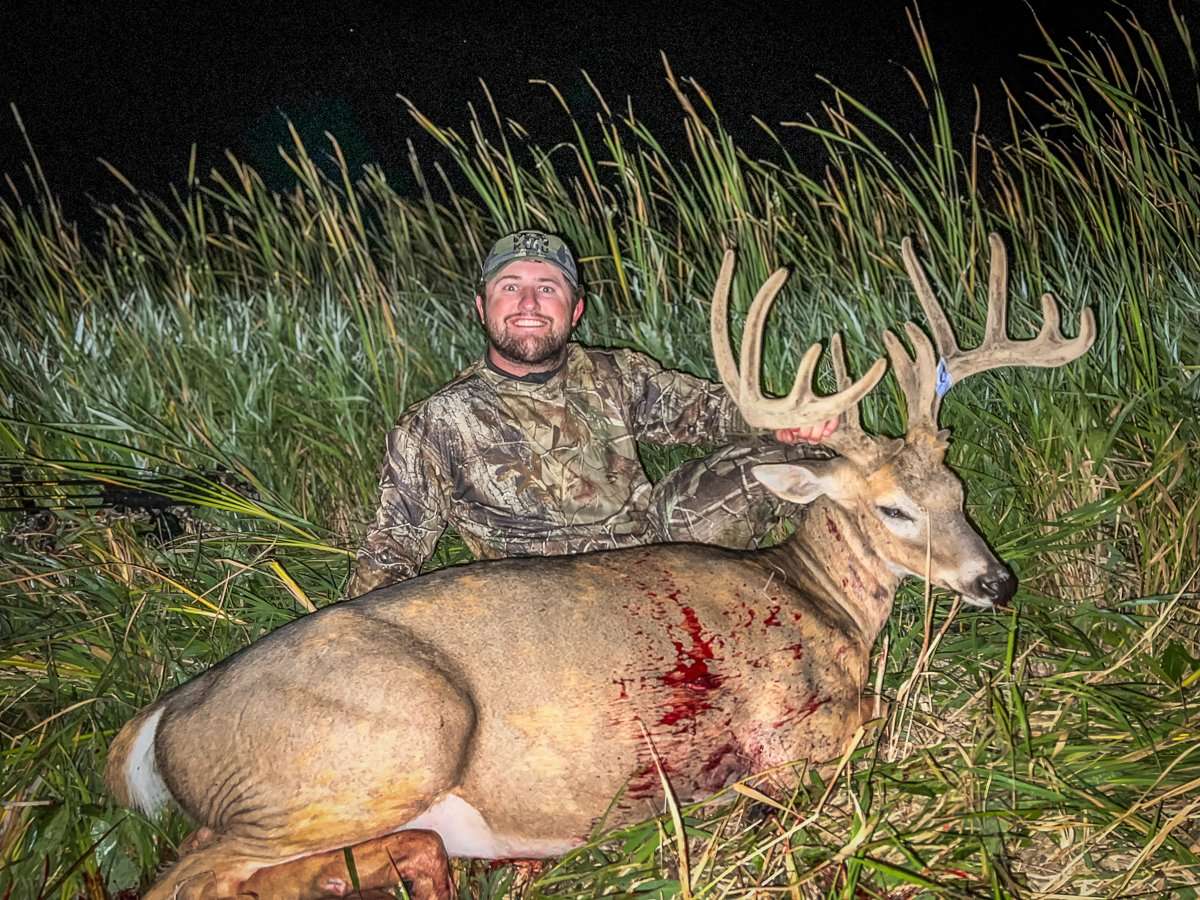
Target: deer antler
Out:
[801,406]
[926,376]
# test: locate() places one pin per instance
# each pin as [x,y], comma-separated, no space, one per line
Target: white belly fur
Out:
[465,833]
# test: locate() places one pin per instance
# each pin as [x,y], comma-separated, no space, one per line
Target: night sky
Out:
[138,84]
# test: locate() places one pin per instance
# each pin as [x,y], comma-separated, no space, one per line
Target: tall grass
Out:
[1050,750]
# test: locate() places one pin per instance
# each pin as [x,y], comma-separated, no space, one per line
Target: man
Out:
[532,450]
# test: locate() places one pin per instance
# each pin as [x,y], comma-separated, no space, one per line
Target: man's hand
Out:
[809,434]
[366,576]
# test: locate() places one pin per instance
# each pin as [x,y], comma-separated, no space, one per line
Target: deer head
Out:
[905,502]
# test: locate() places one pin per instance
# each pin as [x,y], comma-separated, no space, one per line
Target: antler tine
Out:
[849,440]
[933,377]
[943,334]
[916,374]
[752,335]
[837,354]
[802,383]
[719,327]
[802,406]
[995,328]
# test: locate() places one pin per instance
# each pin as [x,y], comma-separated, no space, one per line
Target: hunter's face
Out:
[528,312]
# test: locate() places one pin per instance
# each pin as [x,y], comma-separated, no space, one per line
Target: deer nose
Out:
[997,585]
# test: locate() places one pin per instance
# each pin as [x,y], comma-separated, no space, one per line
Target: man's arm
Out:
[670,407]
[413,509]
[673,407]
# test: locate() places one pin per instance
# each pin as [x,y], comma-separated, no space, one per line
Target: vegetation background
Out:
[194,402]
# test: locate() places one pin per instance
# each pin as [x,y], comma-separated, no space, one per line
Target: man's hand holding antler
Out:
[809,434]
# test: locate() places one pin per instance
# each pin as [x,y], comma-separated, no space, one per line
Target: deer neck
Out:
[831,557]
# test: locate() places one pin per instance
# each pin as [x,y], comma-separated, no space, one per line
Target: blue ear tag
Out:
[942,380]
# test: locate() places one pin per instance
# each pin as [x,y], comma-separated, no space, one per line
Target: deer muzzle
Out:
[995,586]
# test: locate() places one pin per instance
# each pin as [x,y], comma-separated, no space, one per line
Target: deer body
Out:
[504,705]
[509,721]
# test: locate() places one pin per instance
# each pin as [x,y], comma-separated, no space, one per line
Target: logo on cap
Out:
[531,243]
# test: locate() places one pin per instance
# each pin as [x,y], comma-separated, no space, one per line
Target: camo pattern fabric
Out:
[538,467]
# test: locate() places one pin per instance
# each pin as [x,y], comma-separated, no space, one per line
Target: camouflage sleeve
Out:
[671,407]
[413,508]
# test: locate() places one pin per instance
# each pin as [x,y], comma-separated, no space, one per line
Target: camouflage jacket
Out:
[534,466]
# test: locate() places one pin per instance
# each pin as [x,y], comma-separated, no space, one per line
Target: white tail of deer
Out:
[498,708]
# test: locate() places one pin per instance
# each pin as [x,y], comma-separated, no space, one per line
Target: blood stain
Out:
[833,529]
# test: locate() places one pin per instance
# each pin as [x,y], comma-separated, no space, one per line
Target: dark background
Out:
[138,84]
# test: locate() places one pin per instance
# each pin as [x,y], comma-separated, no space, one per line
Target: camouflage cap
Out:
[531,245]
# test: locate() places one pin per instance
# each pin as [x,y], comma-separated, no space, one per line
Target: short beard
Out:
[530,350]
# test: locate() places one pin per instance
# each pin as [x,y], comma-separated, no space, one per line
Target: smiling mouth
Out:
[527,322]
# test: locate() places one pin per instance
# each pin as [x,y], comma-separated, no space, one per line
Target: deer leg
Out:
[332,796]
[214,871]
[224,870]
[415,857]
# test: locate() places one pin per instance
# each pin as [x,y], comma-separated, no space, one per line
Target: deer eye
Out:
[893,512]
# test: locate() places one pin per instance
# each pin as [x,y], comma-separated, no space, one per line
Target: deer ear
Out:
[804,482]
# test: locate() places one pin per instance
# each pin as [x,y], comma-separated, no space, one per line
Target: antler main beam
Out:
[926,376]
[802,406]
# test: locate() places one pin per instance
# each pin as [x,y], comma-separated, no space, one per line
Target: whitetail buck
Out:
[503,705]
